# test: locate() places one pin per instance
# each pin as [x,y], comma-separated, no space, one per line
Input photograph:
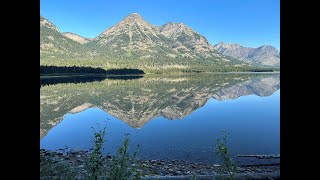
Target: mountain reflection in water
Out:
[137,100]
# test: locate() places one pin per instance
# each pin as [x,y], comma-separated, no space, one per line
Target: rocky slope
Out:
[188,41]
[76,37]
[135,37]
[54,44]
[264,55]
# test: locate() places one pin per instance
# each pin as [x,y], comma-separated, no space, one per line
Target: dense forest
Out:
[86,70]
[141,66]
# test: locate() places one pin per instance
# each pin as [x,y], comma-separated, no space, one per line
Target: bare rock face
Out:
[75,37]
[45,23]
[264,55]
[188,40]
[132,36]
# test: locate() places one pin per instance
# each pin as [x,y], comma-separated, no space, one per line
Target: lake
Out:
[170,116]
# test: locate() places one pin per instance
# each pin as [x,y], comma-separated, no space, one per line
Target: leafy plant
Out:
[223,151]
[95,162]
[124,165]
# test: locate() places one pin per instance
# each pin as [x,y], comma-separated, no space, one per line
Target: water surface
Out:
[172,117]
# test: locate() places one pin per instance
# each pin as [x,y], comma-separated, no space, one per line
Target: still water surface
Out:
[171,117]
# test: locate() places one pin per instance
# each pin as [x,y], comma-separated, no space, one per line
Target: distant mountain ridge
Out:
[76,37]
[263,55]
[173,45]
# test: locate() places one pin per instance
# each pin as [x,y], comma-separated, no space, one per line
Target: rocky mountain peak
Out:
[131,24]
[268,48]
[133,17]
[173,28]
[227,45]
[46,23]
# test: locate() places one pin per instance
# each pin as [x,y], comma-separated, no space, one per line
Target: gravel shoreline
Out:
[162,169]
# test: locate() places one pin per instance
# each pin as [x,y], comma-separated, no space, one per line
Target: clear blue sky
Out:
[250,23]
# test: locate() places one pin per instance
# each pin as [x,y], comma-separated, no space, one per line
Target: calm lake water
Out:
[171,117]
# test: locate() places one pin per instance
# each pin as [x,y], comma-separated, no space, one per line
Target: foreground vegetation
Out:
[123,165]
[120,168]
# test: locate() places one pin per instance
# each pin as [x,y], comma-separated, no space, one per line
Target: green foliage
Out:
[223,151]
[95,162]
[122,166]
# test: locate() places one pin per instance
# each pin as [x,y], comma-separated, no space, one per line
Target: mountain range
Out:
[173,45]
[263,55]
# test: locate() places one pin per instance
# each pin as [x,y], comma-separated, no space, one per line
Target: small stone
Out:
[133,165]
[144,165]
[81,166]
[75,151]
[177,173]
[259,170]
[153,161]
[84,171]
[241,169]
[80,160]
[170,170]
[170,164]
[216,165]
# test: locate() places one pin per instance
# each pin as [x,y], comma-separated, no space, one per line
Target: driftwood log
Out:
[261,156]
